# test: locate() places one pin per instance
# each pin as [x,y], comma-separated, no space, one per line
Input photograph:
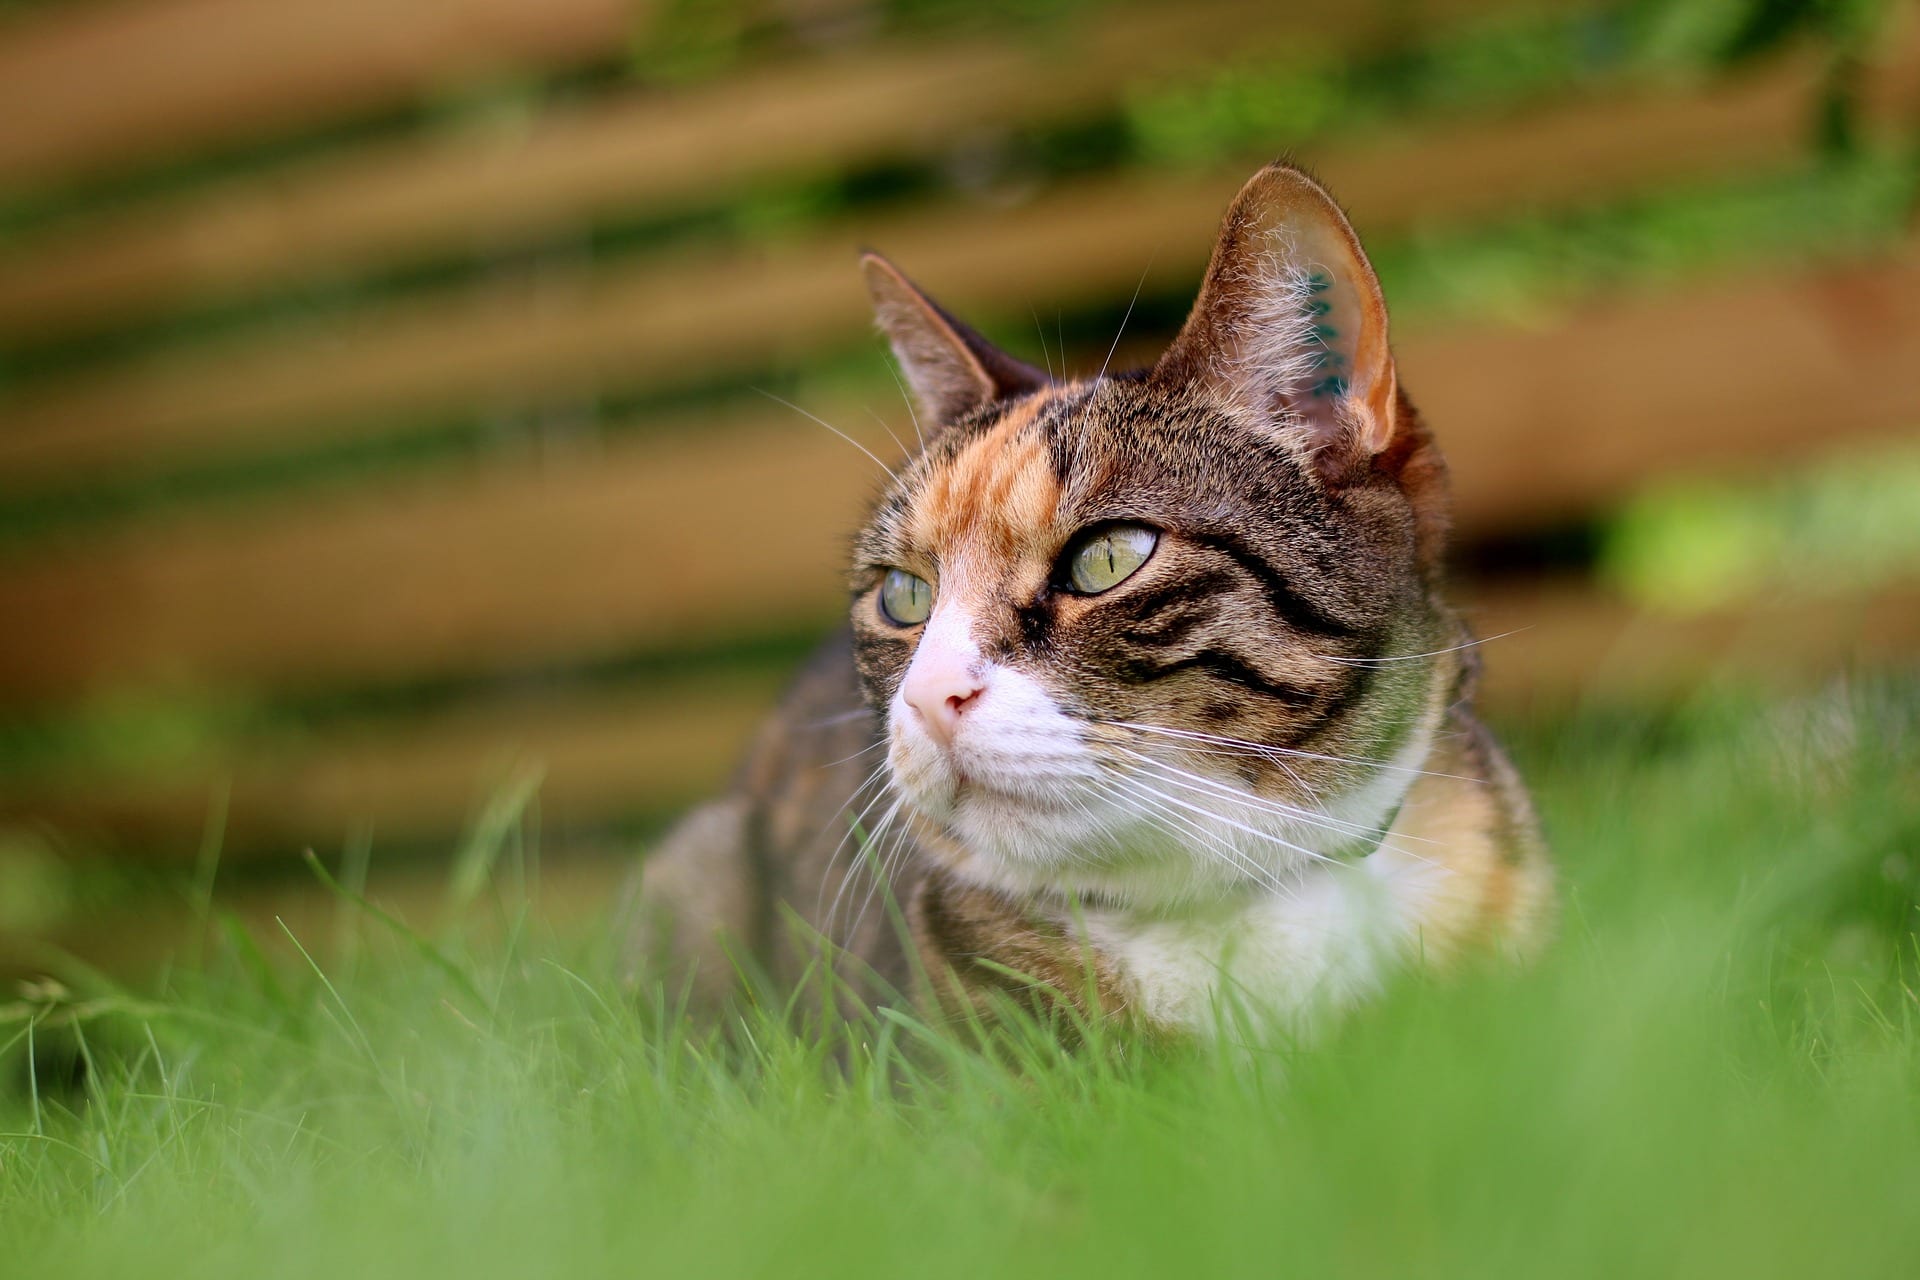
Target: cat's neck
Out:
[1455,868]
[1446,878]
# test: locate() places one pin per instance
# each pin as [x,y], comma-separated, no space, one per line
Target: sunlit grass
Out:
[1713,1072]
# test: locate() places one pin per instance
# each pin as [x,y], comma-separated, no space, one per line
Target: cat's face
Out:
[1150,636]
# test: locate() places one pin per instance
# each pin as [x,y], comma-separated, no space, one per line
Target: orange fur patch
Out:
[994,501]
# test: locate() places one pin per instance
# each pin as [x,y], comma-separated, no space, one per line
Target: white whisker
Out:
[869,843]
[885,865]
[913,414]
[829,426]
[1131,303]
[1263,804]
[1045,356]
[842,718]
[898,443]
[1415,657]
[871,746]
[1384,838]
[1197,835]
[875,776]
[1253,831]
[1267,752]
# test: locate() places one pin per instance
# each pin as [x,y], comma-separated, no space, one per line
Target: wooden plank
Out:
[89,87]
[575,335]
[132,939]
[598,756]
[1560,644]
[710,533]
[730,528]
[1548,423]
[486,184]
[1567,644]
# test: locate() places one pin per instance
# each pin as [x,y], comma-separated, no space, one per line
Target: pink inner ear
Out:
[1290,321]
[1337,367]
[952,369]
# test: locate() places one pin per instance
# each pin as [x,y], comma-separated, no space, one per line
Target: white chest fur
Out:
[1280,958]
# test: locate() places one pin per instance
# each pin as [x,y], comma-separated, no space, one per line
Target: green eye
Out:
[904,599]
[1109,557]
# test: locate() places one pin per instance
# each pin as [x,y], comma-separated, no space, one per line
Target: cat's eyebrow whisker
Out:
[1045,355]
[897,441]
[1415,657]
[912,413]
[837,431]
[1131,303]
[1080,440]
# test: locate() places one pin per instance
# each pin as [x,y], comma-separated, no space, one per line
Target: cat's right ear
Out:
[1291,324]
[952,369]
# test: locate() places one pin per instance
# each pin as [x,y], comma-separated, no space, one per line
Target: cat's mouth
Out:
[973,785]
[995,787]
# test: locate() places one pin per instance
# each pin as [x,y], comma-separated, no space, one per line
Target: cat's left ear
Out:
[952,369]
[1291,324]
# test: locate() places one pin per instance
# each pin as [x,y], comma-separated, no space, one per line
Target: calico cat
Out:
[1149,701]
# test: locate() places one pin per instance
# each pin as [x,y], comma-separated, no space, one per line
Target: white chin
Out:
[1027,828]
[1014,829]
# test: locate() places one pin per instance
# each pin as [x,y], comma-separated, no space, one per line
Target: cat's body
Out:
[1175,721]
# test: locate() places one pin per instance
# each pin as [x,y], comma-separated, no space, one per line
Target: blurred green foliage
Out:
[1836,525]
[1521,269]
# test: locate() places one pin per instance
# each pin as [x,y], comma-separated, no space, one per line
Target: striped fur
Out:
[1247,775]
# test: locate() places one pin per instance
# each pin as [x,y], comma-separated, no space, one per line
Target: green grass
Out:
[1715,1071]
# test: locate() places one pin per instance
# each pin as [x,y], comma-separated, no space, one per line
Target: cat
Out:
[1148,704]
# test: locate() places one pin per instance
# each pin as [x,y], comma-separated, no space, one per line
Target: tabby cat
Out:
[1149,702]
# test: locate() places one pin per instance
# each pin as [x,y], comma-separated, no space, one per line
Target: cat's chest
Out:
[1320,945]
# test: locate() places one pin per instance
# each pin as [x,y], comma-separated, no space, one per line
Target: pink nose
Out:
[940,686]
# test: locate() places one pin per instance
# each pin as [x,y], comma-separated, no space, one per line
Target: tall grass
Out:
[1713,1072]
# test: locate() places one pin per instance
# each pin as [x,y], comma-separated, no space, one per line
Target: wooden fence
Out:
[158,311]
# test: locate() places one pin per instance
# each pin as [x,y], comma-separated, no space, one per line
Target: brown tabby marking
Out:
[1035,962]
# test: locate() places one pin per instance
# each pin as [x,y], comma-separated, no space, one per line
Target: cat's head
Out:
[1163,633]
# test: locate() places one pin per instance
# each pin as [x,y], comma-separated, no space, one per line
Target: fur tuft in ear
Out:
[952,369]
[1291,325]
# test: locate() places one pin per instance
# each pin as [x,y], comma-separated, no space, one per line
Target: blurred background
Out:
[393,455]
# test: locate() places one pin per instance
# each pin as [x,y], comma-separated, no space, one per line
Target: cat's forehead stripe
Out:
[997,492]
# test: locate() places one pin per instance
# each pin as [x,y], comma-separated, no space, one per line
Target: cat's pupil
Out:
[905,599]
[1109,557]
